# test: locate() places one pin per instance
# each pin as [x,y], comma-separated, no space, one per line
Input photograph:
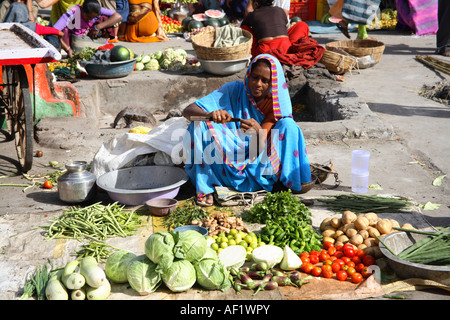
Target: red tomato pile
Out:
[345,262]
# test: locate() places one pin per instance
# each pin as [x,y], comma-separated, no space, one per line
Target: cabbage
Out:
[140,66]
[190,245]
[145,58]
[177,66]
[116,265]
[233,256]
[169,54]
[212,274]
[180,276]
[152,64]
[158,55]
[159,249]
[291,260]
[210,253]
[270,254]
[180,52]
[165,63]
[142,275]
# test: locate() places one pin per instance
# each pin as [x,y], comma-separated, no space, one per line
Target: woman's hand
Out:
[250,124]
[220,116]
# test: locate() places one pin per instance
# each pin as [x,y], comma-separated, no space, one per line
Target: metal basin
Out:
[224,68]
[110,70]
[136,185]
[398,242]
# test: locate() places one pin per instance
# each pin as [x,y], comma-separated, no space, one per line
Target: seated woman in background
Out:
[269,26]
[265,147]
[89,19]
[144,22]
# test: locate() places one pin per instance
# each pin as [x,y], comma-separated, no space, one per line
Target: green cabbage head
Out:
[153,64]
[212,274]
[190,245]
[180,276]
[159,249]
[142,275]
[116,265]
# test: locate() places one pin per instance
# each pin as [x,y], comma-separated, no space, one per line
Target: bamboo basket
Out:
[360,47]
[202,44]
[337,63]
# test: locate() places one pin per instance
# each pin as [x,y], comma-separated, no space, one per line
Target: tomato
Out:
[360,253]
[307,267]
[359,267]
[356,259]
[346,260]
[365,272]
[344,267]
[304,259]
[331,251]
[332,258]
[327,245]
[339,248]
[335,267]
[304,254]
[341,275]
[347,245]
[368,260]
[351,264]
[339,254]
[349,252]
[327,273]
[314,259]
[324,256]
[350,270]
[326,267]
[314,253]
[328,262]
[316,271]
[48,184]
[356,277]
[340,261]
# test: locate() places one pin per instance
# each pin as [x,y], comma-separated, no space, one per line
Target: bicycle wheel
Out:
[20,113]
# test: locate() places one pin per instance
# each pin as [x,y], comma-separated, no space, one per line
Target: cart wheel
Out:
[20,113]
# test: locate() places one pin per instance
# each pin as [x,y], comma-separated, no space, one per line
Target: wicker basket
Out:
[337,63]
[360,47]
[203,48]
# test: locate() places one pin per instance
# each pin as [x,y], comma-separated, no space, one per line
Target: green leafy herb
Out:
[183,215]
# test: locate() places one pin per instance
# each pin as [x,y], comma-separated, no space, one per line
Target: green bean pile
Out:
[95,222]
[366,203]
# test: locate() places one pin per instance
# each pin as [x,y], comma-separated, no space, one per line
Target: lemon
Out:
[214,246]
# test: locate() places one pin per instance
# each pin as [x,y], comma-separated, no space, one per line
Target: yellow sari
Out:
[60,7]
[145,29]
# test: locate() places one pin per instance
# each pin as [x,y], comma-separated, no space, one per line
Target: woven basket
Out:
[203,47]
[360,47]
[337,63]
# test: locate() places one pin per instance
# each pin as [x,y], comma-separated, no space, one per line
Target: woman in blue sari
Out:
[249,140]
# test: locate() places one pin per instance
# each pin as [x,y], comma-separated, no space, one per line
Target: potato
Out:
[325,222]
[356,239]
[330,239]
[377,252]
[348,226]
[338,233]
[348,217]
[370,242]
[373,232]
[408,226]
[350,232]
[361,246]
[372,217]
[328,233]
[338,243]
[361,223]
[336,222]
[364,233]
[343,239]
[395,224]
[384,226]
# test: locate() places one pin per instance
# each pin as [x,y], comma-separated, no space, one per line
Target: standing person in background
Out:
[144,22]
[443,32]
[122,8]
[32,7]
[235,9]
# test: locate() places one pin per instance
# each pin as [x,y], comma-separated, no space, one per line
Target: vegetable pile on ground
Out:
[170,59]
[170,25]
[366,203]
[363,230]
[287,222]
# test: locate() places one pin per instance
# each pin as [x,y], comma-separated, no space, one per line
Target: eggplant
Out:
[283,281]
[294,276]
[266,285]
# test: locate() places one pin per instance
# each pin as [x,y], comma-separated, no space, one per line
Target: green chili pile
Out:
[95,222]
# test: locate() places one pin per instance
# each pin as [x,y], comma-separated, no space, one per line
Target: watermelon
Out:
[199,17]
[223,21]
[212,22]
[185,22]
[194,24]
[120,53]
[214,13]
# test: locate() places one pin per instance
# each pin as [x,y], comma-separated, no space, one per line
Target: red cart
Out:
[19,46]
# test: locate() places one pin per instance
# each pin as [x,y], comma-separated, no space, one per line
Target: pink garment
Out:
[420,16]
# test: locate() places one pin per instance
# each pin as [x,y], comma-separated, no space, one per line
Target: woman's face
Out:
[88,16]
[259,81]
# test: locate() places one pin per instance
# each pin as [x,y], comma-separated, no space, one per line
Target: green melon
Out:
[213,22]
[194,24]
[223,21]
[185,22]
[120,53]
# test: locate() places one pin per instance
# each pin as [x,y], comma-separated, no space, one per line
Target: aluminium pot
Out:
[77,184]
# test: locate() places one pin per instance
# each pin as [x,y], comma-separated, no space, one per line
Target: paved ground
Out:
[404,163]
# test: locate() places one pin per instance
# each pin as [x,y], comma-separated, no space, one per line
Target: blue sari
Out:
[223,155]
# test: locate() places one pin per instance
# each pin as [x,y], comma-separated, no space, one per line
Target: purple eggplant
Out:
[266,285]
[283,281]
